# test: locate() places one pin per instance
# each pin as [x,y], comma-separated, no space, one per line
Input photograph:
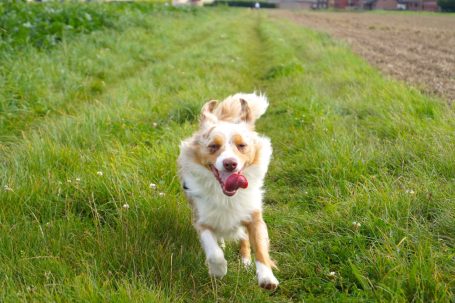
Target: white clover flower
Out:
[356,224]
[99,173]
[152,185]
[332,274]
[161,194]
[126,206]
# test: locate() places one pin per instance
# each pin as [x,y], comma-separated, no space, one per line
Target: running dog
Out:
[222,169]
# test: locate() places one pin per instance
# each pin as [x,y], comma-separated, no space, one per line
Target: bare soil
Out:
[417,48]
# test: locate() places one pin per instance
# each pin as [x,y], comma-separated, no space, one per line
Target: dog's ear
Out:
[207,117]
[245,112]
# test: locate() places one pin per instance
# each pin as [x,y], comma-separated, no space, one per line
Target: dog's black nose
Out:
[230,164]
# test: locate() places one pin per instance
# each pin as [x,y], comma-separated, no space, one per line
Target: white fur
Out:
[246,261]
[265,275]
[215,256]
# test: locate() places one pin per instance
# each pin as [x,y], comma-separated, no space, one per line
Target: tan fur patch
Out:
[245,250]
[202,152]
[259,238]
[218,140]
[245,113]
[228,111]
[235,111]
[257,155]
[247,153]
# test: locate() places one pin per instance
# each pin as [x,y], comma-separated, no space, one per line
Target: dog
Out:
[222,169]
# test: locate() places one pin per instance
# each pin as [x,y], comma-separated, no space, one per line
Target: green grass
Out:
[349,145]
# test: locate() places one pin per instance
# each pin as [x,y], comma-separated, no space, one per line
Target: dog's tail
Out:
[241,107]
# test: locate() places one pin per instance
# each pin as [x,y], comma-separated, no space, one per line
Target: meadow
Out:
[360,198]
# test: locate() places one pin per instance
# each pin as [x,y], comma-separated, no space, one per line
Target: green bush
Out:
[447,5]
[43,25]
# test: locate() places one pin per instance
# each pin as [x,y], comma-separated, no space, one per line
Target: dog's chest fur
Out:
[221,213]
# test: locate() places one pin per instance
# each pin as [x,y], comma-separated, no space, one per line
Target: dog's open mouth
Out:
[230,181]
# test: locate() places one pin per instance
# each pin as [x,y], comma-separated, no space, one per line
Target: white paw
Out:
[217,266]
[246,261]
[265,276]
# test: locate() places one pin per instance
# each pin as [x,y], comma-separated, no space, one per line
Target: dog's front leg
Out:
[259,238]
[214,254]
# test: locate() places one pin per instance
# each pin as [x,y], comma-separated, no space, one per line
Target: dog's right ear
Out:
[207,116]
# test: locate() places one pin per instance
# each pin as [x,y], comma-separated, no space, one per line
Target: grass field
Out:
[89,122]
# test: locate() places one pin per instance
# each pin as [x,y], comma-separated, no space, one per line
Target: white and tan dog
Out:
[222,169]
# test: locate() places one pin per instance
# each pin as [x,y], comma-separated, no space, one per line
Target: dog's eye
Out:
[241,146]
[213,148]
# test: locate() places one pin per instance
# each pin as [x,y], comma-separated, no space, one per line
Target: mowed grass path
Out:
[98,118]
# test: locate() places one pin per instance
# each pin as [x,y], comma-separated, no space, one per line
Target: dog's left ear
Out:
[245,113]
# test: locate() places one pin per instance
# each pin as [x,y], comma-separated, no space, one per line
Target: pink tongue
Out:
[234,181]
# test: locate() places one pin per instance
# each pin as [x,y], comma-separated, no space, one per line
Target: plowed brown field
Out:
[417,48]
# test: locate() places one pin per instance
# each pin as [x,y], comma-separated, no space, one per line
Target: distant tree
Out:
[447,5]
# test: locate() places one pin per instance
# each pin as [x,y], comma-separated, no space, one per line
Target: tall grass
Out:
[80,222]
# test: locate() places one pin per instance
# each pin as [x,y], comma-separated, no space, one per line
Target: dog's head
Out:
[227,147]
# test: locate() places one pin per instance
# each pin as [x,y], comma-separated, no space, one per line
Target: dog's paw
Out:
[269,283]
[246,261]
[265,276]
[217,266]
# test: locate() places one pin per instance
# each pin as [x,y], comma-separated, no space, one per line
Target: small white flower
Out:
[152,185]
[99,173]
[7,188]
[78,179]
[161,194]
[410,191]
[332,274]
[155,124]
[356,224]
[305,192]
[126,206]
[68,181]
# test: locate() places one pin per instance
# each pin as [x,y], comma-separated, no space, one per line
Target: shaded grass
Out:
[348,146]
